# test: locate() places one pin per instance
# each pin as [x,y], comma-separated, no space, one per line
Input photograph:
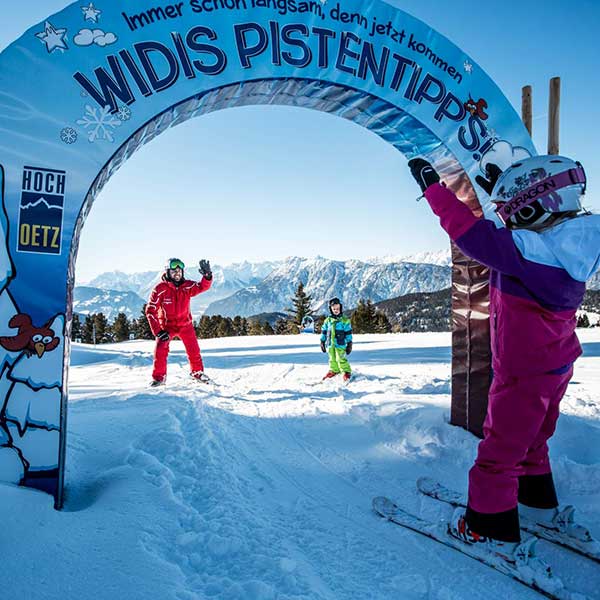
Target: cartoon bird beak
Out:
[40,348]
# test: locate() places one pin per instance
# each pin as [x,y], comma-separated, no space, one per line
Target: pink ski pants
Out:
[521,417]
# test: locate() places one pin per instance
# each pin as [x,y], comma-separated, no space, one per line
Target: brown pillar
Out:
[554,116]
[471,356]
[526,108]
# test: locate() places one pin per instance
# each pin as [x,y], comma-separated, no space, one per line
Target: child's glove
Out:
[492,172]
[424,174]
[204,268]
[349,348]
[163,336]
[323,349]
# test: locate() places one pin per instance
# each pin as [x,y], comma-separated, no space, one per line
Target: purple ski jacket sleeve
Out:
[478,238]
[532,305]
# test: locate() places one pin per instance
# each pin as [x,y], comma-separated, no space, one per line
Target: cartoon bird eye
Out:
[47,339]
[37,338]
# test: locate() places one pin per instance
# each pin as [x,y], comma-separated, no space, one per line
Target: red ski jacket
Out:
[169,305]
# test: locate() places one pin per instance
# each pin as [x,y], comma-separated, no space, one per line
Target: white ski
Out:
[585,545]
[541,581]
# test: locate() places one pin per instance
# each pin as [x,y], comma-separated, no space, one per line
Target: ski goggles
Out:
[175,263]
[539,191]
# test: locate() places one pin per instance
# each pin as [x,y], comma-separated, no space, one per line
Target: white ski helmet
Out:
[534,189]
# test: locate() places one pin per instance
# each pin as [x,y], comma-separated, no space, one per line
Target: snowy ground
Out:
[260,488]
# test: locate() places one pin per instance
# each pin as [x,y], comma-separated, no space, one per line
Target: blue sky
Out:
[250,183]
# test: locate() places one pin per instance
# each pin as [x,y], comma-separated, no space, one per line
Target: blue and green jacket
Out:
[336,330]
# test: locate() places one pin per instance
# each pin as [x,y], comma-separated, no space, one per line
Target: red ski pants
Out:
[187,335]
[521,417]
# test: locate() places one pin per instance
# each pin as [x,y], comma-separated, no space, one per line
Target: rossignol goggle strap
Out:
[539,190]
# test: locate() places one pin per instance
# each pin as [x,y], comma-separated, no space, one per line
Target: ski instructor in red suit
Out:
[169,316]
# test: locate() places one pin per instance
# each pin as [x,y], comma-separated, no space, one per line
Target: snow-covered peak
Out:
[440,257]
[323,278]
[436,257]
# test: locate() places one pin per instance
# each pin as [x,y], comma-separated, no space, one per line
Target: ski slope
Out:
[260,487]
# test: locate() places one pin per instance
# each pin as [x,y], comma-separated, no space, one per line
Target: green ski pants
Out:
[338,362]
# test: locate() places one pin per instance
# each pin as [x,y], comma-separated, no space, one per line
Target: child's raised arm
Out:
[478,238]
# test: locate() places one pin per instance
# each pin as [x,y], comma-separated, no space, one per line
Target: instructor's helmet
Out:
[173,263]
[537,191]
[333,301]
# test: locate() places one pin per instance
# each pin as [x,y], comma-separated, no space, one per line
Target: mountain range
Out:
[248,289]
[324,278]
[110,286]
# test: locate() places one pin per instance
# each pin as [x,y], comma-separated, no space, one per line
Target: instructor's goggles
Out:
[175,263]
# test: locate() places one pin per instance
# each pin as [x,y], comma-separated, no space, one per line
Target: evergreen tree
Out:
[240,326]
[254,327]
[142,330]
[225,328]
[215,321]
[204,328]
[382,323]
[267,329]
[87,331]
[75,327]
[121,328]
[301,302]
[364,319]
[103,329]
[285,327]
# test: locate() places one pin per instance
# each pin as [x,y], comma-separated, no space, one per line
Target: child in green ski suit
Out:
[336,339]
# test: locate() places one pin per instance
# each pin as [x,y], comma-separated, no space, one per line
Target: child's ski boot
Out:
[515,557]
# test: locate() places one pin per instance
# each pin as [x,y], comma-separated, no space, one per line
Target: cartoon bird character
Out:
[30,339]
[476,108]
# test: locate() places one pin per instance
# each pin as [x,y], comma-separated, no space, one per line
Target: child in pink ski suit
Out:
[539,263]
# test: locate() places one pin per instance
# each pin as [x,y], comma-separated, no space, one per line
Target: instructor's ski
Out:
[543,582]
[589,548]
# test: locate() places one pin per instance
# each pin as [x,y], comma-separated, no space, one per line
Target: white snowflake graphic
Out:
[68,135]
[468,67]
[124,113]
[99,123]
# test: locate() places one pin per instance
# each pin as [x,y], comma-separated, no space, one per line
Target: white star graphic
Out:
[53,38]
[468,67]
[90,13]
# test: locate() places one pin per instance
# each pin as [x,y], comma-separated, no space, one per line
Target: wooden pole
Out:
[554,116]
[526,112]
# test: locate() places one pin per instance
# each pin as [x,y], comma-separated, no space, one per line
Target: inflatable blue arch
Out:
[83,90]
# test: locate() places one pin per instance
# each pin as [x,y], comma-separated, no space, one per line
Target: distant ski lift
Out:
[308,325]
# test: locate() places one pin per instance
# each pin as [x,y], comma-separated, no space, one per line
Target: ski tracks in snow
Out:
[272,485]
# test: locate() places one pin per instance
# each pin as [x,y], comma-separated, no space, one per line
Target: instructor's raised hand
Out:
[204,268]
